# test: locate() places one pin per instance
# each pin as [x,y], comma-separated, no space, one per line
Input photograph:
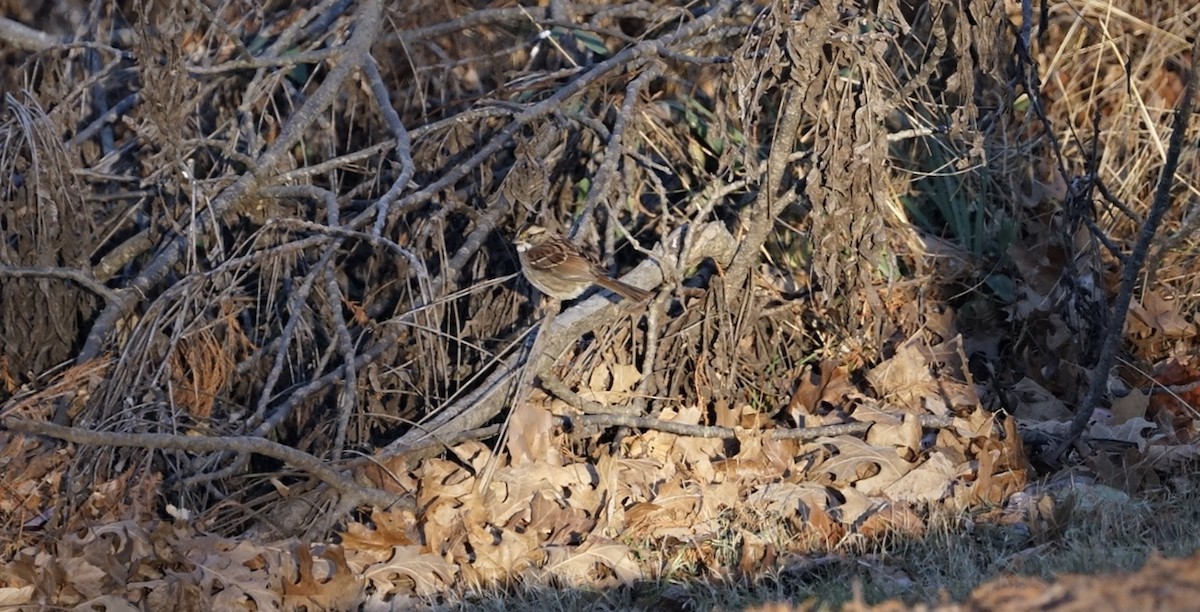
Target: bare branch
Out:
[84,279]
[24,37]
[198,444]
[592,421]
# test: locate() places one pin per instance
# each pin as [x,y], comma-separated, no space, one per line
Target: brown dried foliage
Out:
[286,224]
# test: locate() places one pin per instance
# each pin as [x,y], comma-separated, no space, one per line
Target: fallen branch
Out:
[348,489]
[479,407]
[729,433]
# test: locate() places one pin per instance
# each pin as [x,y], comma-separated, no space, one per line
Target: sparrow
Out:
[560,270]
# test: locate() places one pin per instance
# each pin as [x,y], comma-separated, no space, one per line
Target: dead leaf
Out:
[830,386]
[1161,316]
[904,437]
[1034,403]
[1132,432]
[891,519]
[329,585]
[530,436]
[904,379]
[611,383]
[868,468]
[580,565]
[927,483]
[1132,406]
[410,570]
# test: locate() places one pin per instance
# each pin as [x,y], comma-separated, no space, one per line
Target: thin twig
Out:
[296,315]
[315,56]
[614,149]
[403,147]
[415,262]
[345,344]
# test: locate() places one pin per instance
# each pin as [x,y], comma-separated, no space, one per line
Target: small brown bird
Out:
[558,268]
